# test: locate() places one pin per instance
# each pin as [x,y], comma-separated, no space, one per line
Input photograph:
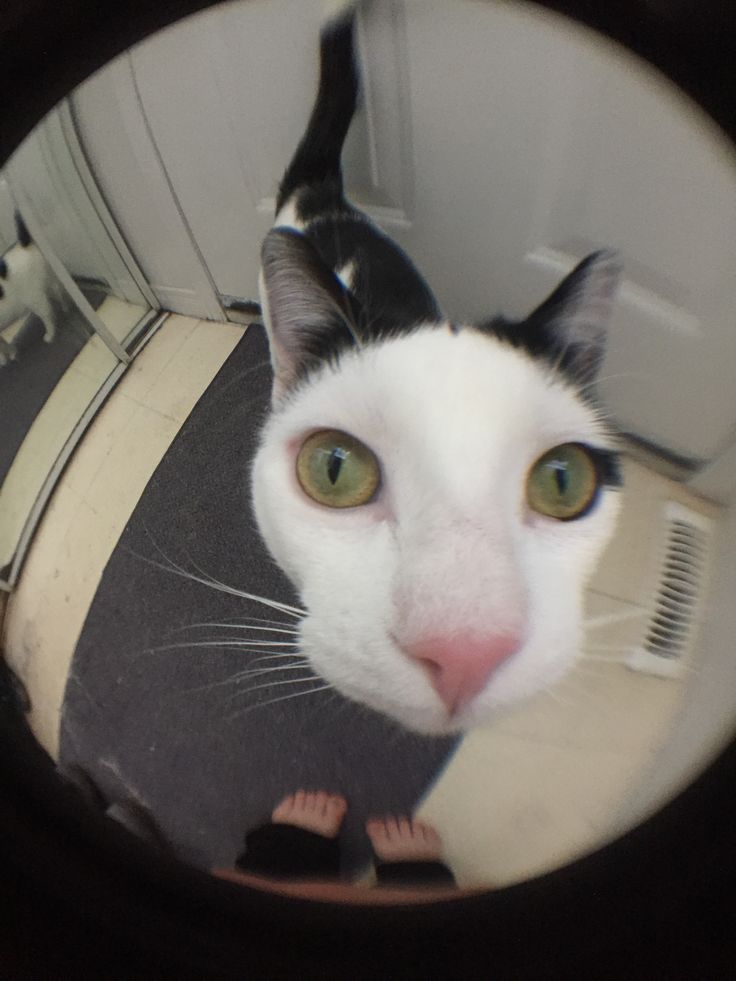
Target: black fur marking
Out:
[2,292]
[21,231]
[3,269]
[569,328]
[311,314]
[387,295]
[530,336]
[527,336]
[390,295]
[607,465]
[316,162]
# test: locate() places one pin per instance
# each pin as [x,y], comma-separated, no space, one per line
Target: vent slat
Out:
[673,611]
[675,602]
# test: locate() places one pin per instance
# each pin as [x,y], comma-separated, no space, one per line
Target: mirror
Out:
[69,309]
[498,145]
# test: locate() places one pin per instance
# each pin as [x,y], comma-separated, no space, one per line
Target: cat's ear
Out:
[21,231]
[575,317]
[305,306]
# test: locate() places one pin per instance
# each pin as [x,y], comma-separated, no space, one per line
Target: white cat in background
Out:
[27,285]
[439,493]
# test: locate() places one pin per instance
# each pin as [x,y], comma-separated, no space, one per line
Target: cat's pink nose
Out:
[459,666]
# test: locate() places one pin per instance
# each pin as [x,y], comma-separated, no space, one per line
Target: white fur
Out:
[346,274]
[29,286]
[287,216]
[449,544]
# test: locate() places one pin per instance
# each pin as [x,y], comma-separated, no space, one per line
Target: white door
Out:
[498,145]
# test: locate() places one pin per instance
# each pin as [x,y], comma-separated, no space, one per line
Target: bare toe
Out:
[283,809]
[316,811]
[401,839]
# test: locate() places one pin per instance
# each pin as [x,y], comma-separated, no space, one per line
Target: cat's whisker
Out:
[555,696]
[281,698]
[243,642]
[242,375]
[252,672]
[609,619]
[174,569]
[292,658]
[241,646]
[639,375]
[239,626]
[276,684]
[233,679]
[590,658]
[602,647]
[575,680]
[225,586]
[586,672]
[597,659]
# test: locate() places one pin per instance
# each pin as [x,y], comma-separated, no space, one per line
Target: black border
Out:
[81,899]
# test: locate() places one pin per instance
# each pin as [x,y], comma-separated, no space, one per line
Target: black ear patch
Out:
[21,231]
[3,269]
[308,312]
[569,328]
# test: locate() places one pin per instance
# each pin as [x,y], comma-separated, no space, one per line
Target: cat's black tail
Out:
[317,158]
[21,231]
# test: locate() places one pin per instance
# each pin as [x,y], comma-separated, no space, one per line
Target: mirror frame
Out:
[83,898]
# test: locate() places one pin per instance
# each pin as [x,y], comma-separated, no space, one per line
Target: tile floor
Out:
[540,786]
[56,420]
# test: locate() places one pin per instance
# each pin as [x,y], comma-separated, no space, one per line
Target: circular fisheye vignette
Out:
[37,101]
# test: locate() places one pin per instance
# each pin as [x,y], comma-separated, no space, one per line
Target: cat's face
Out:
[447,594]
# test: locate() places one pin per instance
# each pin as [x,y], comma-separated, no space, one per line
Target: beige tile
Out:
[44,442]
[191,368]
[91,453]
[94,358]
[26,601]
[613,626]
[144,372]
[46,626]
[119,316]
[128,466]
[604,707]
[117,412]
[508,809]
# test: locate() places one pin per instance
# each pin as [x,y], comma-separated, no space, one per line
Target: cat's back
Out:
[386,291]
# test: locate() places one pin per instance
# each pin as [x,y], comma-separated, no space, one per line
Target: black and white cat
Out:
[439,493]
[27,285]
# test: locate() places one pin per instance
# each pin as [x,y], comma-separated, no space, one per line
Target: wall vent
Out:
[670,632]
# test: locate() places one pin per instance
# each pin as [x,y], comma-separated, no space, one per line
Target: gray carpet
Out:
[208,756]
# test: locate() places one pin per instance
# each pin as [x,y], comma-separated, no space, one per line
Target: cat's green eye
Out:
[337,470]
[563,483]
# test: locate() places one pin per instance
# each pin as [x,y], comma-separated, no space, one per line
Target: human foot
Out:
[401,839]
[315,811]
